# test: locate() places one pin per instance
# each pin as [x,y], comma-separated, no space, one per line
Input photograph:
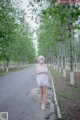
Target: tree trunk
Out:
[7,65]
[74,48]
[59,56]
[3,63]
[56,65]
[63,50]
[71,50]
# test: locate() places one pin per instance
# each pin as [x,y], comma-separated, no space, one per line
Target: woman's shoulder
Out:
[45,65]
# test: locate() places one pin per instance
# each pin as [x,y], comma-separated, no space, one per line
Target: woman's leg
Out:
[44,94]
[41,94]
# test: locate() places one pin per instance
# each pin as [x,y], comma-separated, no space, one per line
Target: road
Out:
[19,96]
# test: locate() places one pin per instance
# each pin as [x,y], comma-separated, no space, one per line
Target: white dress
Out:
[42,79]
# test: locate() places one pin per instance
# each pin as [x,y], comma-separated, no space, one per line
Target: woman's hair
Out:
[41,57]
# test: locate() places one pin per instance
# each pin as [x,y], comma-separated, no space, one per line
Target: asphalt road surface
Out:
[19,96]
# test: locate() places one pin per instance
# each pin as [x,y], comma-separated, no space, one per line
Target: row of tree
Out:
[16,46]
[58,40]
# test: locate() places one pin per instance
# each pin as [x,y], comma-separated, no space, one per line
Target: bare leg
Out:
[41,94]
[44,94]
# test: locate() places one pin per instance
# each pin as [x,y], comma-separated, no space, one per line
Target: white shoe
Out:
[42,107]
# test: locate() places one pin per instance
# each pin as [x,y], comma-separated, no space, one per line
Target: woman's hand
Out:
[39,71]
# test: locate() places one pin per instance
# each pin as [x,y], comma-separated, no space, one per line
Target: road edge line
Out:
[55,98]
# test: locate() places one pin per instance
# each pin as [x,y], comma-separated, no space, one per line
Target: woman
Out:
[42,79]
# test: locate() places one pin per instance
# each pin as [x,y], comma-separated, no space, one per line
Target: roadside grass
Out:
[10,70]
[70,89]
[55,73]
[67,95]
[2,72]
[77,90]
[64,95]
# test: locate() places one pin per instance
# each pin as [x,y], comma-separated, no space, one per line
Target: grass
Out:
[10,70]
[67,95]
[61,93]
[55,73]
[64,95]
[2,72]
[63,113]
[75,89]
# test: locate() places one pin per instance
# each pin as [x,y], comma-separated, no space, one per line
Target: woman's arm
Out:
[37,70]
[46,70]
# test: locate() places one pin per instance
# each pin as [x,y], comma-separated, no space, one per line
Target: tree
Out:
[15,44]
[56,36]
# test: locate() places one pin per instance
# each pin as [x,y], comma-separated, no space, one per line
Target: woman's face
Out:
[41,61]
